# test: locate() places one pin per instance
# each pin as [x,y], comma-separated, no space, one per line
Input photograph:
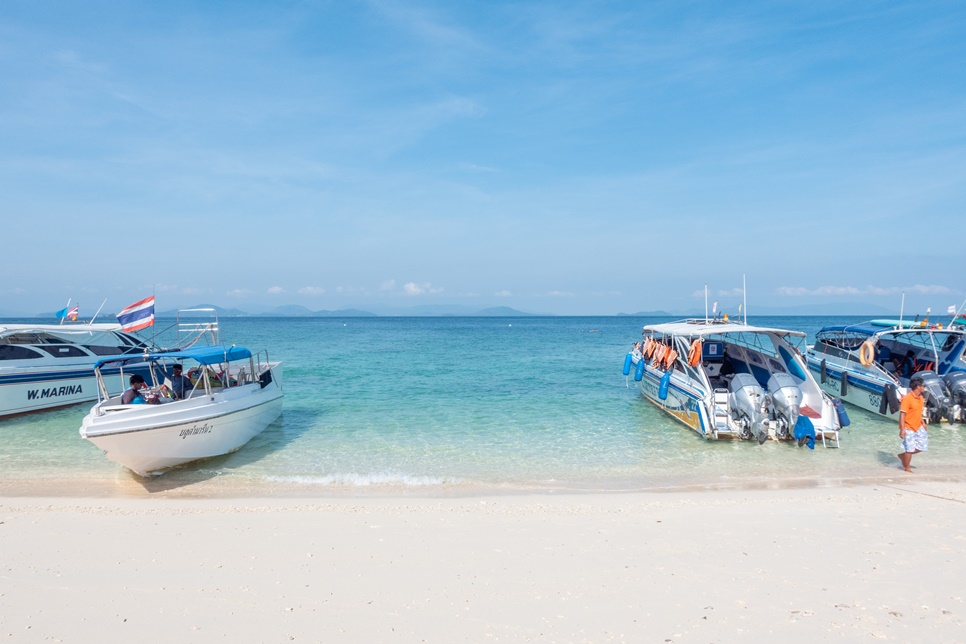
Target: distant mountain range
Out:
[295,310]
[442,310]
[841,308]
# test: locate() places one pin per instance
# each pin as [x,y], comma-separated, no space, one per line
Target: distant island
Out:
[456,310]
[298,311]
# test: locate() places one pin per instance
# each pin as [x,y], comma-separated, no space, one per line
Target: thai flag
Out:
[139,315]
[72,314]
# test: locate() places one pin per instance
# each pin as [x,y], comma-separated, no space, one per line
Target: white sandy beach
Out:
[876,562]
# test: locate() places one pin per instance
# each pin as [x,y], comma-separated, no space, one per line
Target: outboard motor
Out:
[786,400]
[748,407]
[937,398]
[956,383]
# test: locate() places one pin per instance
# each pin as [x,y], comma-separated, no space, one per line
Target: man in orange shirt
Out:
[912,430]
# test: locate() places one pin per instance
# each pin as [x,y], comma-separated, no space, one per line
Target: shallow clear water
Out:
[459,403]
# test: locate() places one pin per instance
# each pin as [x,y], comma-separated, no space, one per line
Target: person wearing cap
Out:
[180,384]
[912,431]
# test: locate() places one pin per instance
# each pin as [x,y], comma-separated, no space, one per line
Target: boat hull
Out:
[684,404]
[149,439]
[864,390]
[28,391]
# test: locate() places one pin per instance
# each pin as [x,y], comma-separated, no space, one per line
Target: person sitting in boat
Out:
[727,366]
[133,396]
[907,365]
[180,383]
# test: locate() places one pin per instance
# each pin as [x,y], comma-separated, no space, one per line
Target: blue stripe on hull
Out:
[690,414]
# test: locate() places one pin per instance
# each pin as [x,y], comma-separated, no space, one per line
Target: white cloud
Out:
[412,288]
[560,294]
[388,285]
[311,290]
[183,290]
[472,167]
[238,292]
[799,291]
[503,293]
[275,290]
[918,288]
[721,292]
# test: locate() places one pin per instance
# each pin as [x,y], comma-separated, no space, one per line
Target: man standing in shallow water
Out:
[912,430]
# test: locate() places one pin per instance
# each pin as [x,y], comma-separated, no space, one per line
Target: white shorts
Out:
[916,441]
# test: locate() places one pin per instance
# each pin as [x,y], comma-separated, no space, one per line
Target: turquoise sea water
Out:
[463,404]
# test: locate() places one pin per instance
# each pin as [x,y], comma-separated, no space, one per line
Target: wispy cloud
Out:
[922,289]
[275,290]
[474,167]
[72,60]
[432,30]
[388,285]
[311,290]
[412,288]
[238,292]
[503,293]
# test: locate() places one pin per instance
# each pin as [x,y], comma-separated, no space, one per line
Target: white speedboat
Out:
[236,395]
[728,380]
[870,364]
[43,366]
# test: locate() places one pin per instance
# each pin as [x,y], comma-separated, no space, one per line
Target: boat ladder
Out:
[832,440]
[722,410]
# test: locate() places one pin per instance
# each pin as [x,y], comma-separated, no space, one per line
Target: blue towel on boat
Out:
[805,429]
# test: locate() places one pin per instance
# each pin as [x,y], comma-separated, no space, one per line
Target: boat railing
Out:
[191,330]
[260,361]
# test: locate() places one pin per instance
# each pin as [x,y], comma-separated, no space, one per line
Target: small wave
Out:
[353,479]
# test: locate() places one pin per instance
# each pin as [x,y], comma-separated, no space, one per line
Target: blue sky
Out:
[569,158]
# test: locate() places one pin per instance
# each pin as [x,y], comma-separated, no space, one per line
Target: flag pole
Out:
[98,311]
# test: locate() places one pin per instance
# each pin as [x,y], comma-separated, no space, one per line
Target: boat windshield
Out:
[842,339]
[759,342]
[931,340]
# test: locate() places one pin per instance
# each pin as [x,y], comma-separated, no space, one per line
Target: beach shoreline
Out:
[123,484]
[849,561]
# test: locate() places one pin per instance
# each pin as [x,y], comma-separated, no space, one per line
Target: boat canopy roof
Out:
[701,328]
[201,355]
[99,327]
[874,327]
[863,328]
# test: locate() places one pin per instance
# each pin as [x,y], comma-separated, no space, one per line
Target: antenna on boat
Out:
[902,306]
[744,294]
[705,303]
[98,311]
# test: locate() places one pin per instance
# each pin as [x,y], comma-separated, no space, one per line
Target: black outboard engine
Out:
[956,383]
[937,398]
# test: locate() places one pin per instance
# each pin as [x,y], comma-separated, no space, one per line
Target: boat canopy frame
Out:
[206,357]
[729,333]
